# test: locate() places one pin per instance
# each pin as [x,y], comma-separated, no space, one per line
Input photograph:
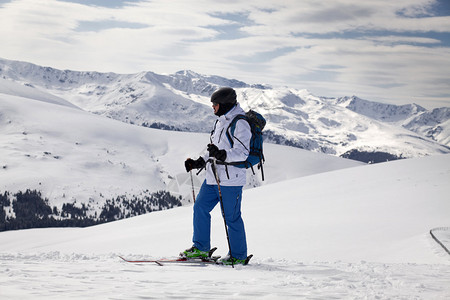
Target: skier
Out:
[228,183]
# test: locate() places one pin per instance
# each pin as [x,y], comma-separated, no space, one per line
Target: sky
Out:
[381,50]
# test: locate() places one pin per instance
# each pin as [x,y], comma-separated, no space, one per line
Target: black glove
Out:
[215,152]
[190,164]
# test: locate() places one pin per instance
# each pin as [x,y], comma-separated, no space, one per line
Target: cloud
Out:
[393,50]
[342,16]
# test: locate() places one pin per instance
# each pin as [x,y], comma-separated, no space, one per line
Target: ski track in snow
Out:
[53,275]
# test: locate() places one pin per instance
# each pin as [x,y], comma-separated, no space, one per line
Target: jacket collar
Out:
[231,113]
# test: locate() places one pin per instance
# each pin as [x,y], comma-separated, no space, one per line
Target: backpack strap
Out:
[232,127]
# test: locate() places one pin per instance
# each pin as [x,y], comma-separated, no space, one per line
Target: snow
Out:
[55,148]
[26,91]
[102,277]
[320,227]
[354,233]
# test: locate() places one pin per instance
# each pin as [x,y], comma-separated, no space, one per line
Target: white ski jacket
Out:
[239,151]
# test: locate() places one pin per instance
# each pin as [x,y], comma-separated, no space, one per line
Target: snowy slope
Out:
[9,87]
[180,101]
[348,234]
[379,213]
[71,155]
[433,124]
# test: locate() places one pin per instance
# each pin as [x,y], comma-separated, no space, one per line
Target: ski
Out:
[162,261]
[180,259]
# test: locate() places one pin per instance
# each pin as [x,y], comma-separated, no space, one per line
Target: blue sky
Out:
[382,50]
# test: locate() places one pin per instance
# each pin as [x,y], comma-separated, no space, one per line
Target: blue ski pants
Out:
[207,199]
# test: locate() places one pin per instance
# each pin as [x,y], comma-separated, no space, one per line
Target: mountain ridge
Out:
[180,102]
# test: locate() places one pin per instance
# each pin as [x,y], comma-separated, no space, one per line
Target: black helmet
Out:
[224,95]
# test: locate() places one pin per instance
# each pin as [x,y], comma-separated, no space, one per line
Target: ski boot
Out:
[193,252]
[228,260]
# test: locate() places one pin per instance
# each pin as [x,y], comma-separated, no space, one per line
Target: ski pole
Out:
[192,184]
[213,164]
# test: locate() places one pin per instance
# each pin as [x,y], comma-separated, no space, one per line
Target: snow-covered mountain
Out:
[433,124]
[105,168]
[339,126]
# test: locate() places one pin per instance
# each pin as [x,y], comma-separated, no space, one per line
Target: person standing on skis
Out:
[231,180]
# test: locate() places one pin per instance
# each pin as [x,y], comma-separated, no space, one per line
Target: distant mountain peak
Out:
[188,73]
